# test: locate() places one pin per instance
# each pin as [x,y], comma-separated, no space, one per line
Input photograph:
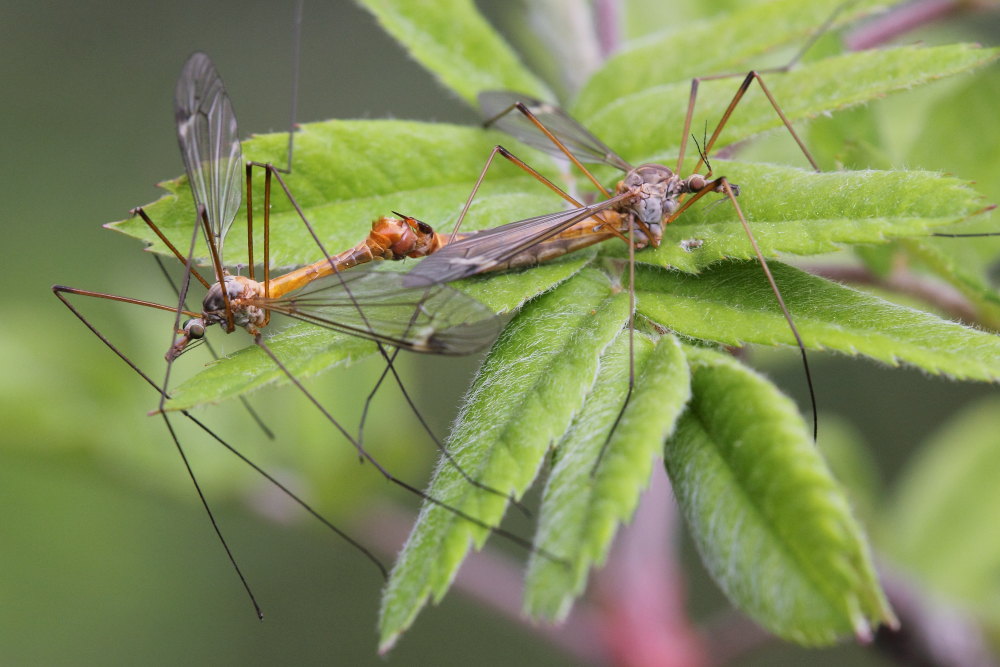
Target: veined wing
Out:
[376,304]
[485,250]
[210,144]
[584,145]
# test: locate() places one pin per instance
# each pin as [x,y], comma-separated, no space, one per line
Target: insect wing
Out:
[584,145]
[488,249]
[376,304]
[209,141]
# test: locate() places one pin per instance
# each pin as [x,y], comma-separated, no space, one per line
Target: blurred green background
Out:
[105,555]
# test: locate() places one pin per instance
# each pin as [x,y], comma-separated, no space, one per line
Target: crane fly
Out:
[446,323]
[649,197]
[364,301]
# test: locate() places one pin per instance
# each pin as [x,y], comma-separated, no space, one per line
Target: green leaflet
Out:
[733,304]
[808,213]
[452,40]
[771,524]
[304,348]
[507,291]
[583,506]
[648,123]
[531,385]
[684,51]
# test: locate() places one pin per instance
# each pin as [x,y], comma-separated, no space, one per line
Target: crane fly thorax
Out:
[242,293]
[654,189]
[655,196]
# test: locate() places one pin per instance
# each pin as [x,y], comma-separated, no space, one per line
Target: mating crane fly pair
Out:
[365,302]
[415,310]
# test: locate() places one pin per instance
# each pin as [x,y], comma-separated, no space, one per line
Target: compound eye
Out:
[194,329]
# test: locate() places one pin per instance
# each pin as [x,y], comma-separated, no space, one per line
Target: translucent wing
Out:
[375,304]
[585,146]
[492,248]
[210,144]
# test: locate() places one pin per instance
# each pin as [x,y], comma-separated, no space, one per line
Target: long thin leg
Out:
[59,291]
[749,77]
[631,352]
[967,236]
[523,109]
[220,271]
[724,184]
[530,170]
[211,350]
[740,92]
[390,367]
[156,230]
[211,517]
[774,288]
[520,541]
[296,62]
[269,170]
[249,203]
[267,237]
[291,494]
[162,389]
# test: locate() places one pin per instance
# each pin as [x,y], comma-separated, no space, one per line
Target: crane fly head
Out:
[239,290]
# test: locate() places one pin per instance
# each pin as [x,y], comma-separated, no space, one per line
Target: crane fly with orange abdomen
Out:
[649,197]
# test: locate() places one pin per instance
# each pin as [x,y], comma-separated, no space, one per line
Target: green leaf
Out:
[524,398]
[348,173]
[646,124]
[507,291]
[771,524]
[305,349]
[680,53]
[582,505]
[453,40]
[938,525]
[808,213]
[733,304]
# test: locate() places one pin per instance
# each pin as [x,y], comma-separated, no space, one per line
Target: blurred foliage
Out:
[107,556]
